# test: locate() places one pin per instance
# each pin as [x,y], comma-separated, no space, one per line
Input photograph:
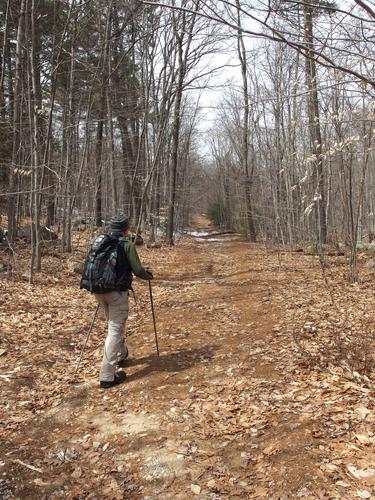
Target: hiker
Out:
[115,301]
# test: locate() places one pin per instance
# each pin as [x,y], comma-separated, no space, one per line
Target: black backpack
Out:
[99,272]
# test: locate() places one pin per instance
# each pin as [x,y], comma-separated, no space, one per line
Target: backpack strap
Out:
[126,275]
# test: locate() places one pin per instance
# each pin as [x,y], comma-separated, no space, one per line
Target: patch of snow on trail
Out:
[197,234]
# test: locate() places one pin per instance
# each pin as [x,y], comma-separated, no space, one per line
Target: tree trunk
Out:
[183,27]
[314,123]
[247,171]
[37,129]
[98,162]
[174,162]
[17,107]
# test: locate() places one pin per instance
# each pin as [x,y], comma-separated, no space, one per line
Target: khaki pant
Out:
[116,308]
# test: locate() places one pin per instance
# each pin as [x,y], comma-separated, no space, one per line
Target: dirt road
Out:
[227,411]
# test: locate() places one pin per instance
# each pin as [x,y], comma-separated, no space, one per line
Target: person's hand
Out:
[150,274]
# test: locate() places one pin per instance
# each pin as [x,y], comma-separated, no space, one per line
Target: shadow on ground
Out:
[172,362]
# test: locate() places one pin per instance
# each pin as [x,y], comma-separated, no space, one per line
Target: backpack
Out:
[99,271]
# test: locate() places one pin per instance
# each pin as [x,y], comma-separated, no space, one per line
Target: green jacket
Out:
[133,259]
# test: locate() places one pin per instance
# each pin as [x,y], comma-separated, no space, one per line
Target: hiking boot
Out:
[119,379]
[123,362]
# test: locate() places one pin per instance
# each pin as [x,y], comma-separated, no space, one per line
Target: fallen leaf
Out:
[329,467]
[270,450]
[40,482]
[77,473]
[364,438]
[343,484]
[363,494]
[362,411]
[212,484]
[261,492]
[360,473]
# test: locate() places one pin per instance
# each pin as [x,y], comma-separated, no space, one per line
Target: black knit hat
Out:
[119,223]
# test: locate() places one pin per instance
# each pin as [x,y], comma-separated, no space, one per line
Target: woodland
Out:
[103,107]
[237,137]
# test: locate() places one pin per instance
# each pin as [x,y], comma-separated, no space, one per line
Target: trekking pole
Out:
[153,317]
[87,338]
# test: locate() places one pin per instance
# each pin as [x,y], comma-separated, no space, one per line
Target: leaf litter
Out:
[264,388]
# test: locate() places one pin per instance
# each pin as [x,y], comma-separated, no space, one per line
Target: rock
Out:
[153,244]
[82,224]
[76,267]
[196,489]
[371,249]
[46,233]
[79,224]
[367,248]
[5,267]
[361,247]
[3,235]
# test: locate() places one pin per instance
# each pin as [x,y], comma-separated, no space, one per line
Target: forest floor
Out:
[263,388]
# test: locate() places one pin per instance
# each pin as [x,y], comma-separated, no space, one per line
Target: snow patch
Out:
[197,234]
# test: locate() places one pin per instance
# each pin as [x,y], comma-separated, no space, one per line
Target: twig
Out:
[350,428]
[31,467]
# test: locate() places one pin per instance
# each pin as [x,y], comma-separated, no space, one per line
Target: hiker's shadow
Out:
[173,362]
